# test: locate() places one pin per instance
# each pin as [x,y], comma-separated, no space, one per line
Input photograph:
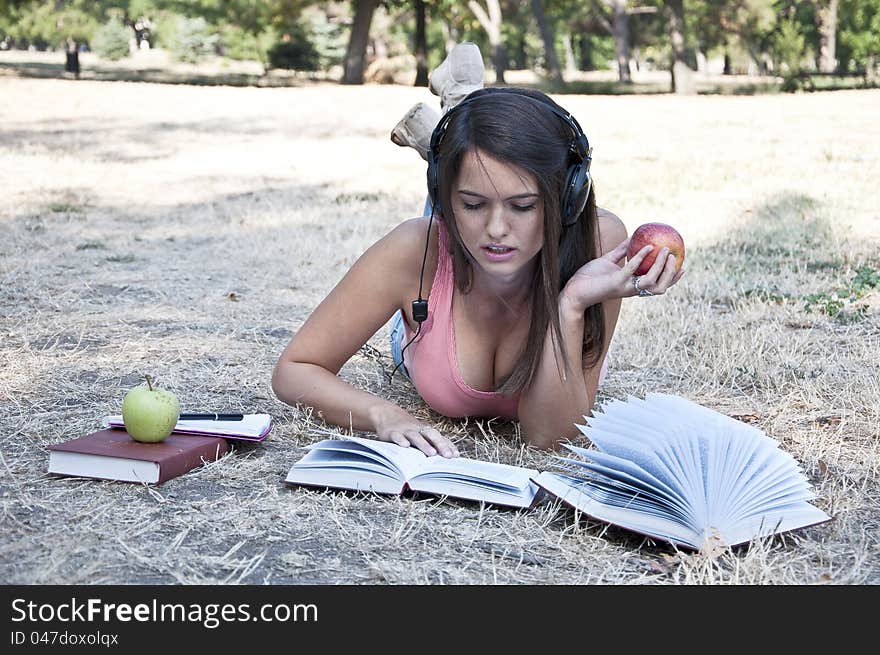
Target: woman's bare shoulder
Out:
[406,243]
[403,248]
[408,234]
[611,230]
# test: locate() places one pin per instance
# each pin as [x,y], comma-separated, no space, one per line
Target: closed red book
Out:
[114,455]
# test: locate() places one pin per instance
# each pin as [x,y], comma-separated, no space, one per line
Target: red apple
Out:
[657,235]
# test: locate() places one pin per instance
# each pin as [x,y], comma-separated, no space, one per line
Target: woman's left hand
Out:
[603,279]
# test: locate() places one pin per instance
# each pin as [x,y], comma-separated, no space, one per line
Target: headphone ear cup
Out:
[577,190]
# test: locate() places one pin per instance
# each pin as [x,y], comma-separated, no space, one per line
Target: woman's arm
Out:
[376,286]
[550,407]
[554,402]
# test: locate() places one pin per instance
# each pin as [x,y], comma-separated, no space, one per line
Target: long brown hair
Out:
[514,128]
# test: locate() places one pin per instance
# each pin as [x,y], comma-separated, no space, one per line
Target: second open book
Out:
[664,466]
[371,465]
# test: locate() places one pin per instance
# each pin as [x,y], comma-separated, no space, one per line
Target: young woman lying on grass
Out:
[523,277]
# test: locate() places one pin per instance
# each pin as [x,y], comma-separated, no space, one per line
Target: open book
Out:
[253,427]
[371,465]
[674,470]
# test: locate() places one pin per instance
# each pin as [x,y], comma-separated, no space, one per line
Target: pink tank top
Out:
[433,364]
[431,360]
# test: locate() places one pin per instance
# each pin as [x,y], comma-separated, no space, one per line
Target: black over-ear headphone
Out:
[577,178]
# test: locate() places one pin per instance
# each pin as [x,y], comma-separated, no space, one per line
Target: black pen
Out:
[211,417]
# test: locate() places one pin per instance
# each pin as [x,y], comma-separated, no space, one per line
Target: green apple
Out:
[149,413]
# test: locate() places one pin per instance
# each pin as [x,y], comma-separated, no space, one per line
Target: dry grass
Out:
[188,231]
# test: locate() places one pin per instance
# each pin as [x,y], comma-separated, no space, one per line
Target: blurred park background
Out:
[575,46]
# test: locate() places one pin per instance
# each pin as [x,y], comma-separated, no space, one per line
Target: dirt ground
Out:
[186,232]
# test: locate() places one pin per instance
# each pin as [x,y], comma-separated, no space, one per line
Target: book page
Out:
[514,477]
[252,426]
[345,464]
[330,458]
[106,468]
[613,491]
[473,479]
[782,519]
[631,468]
[700,413]
[658,456]
[766,467]
[610,434]
[403,461]
[732,453]
[729,475]
[634,481]
[406,460]
[782,491]
[647,523]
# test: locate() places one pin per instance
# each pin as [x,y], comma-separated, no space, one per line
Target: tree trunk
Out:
[620,31]
[728,70]
[683,82]
[585,53]
[421,45]
[826,24]
[449,35]
[570,62]
[356,52]
[554,72]
[491,22]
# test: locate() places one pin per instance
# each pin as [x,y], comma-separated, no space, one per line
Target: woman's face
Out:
[499,214]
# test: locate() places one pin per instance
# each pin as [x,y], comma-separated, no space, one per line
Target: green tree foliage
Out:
[752,22]
[263,22]
[789,46]
[111,40]
[49,24]
[859,35]
[724,24]
[327,33]
[193,40]
[52,23]
[294,55]
[295,52]
[778,35]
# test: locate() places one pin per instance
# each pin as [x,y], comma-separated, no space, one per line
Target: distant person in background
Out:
[71,64]
[503,299]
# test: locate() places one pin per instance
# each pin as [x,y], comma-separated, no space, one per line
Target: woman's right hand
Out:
[603,279]
[397,426]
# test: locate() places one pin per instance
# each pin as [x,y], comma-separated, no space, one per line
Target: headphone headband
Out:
[577,179]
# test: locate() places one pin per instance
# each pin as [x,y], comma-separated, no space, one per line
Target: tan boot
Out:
[460,73]
[415,128]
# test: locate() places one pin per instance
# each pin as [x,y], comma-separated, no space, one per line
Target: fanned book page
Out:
[672,469]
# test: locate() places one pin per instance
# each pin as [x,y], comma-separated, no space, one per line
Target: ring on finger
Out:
[642,292]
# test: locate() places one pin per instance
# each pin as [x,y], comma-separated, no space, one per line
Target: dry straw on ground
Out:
[187,232]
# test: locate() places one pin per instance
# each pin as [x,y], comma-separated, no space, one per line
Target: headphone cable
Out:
[420,306]
[403,350]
